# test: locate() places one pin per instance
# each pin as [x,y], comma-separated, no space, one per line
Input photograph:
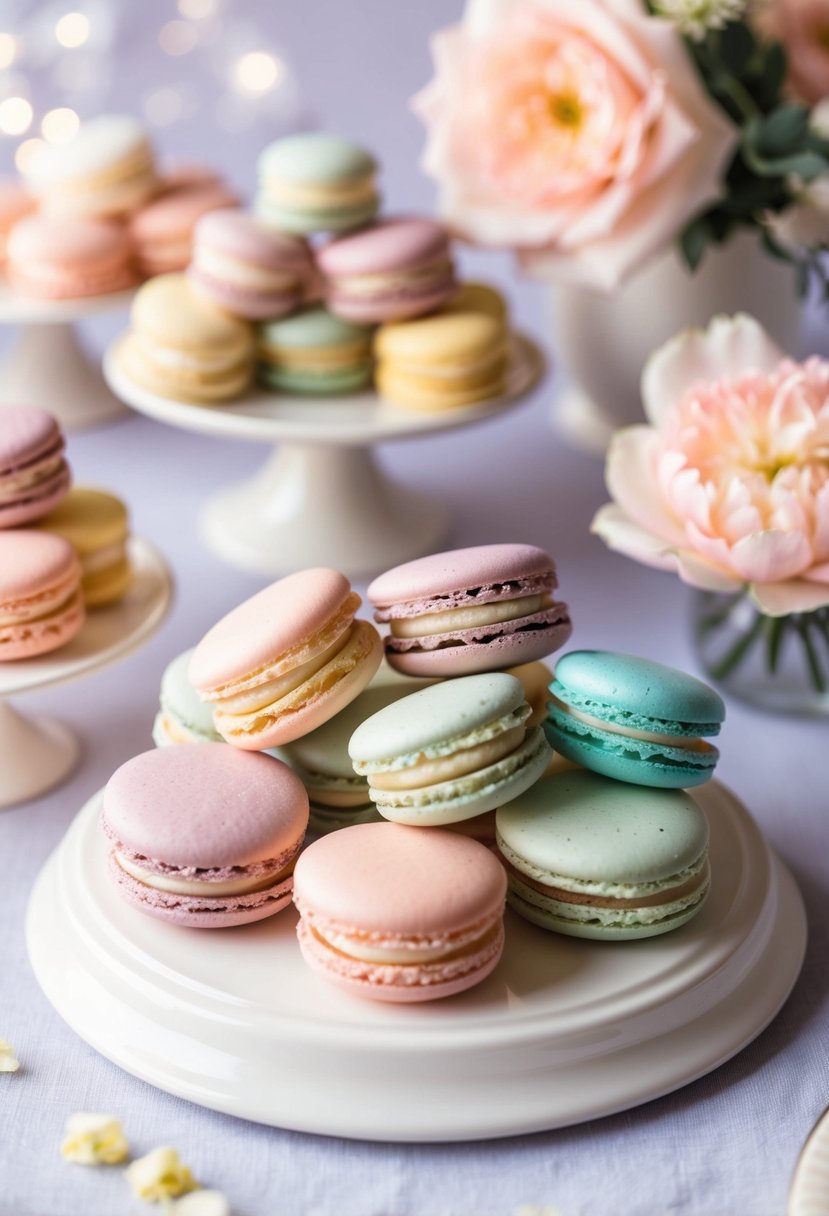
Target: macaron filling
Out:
[568,732]
[564,712]
[244,881]
[458,764]
[468,618]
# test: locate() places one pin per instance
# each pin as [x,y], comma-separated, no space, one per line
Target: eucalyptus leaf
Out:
[784,131]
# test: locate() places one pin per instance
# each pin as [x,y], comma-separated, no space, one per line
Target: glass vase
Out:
[779,664]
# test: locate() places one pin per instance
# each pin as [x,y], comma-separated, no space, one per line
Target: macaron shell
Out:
[60,257]
[388,245]
[38,500]
[33,565]
[89,519]
[200,386]
[547,919]
[26,433]
[631,760]
[428,395]
[316,156]
[306,221]
[507,649]
[40,635]
[168,310]
[488,569]
[180,700]
[105,587]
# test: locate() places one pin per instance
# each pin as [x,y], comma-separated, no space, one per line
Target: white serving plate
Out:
[561,1032]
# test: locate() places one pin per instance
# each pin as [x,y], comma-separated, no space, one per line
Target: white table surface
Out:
[725,1145]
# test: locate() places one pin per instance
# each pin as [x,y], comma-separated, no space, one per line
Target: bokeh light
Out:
[164,106]
[16,115]
[9,49]
[59,126]
[177,37]
[196,10]
[72,29]
[26,153]
[257,72]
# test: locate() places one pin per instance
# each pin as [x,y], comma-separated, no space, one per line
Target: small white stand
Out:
[561,1032]
[321,498]
[37,753]
[48,367]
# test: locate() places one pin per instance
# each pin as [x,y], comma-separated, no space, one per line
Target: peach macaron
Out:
[286,660]
[399,913]
[64,257]
[41,606]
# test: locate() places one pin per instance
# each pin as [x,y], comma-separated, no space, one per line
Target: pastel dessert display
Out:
[596,858]
[286,660]
[400,914]
[162,230]
[204,835]
[96,524]
[633,719]
[107,169]
[316,182]
[451,751]
[247,268]
[183,347]
[65,257]
[34,475]
[314,353]
[443,361]
[338,795]
[15,203]
[182,716]
[468,610]
[41,606]
[397,268]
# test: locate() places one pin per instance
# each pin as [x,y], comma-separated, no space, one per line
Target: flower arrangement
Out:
[587,137]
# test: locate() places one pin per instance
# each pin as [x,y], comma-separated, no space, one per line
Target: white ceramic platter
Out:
[562,1031]
[47,365]
[322,498]
[37,753]
[809,1193]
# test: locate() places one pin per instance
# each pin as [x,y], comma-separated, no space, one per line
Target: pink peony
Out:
[577,134]
[729,485]
[803,28]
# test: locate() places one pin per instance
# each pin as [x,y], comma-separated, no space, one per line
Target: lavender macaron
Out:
[204,835]
[470,610]
[34,475]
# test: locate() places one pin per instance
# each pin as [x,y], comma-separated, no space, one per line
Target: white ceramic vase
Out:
[602,342]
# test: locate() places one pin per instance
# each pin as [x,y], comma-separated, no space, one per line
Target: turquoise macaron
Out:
[316,182]
[595,858]
[182,716]
[633,719]
[450,751]
[313,352]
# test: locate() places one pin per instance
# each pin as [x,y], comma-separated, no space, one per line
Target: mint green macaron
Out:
[316,182]
[633,719]
[590,857]
[313,352]
[182,717]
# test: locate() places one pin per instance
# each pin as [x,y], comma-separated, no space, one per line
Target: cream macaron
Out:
[96,524]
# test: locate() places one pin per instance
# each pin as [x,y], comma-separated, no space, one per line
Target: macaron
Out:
[594,858]
[456,749]
[633,719]
[397,268]
[15,203]
[96,524]
[34,475]
[63,257]
[316,182]
[400,914]
[247,268]
[41,606]
[162,230]
[338,795]
[314,353]
[106,169]
[470,610]
[204,835]
[182,716]
[442,362]
[480,298]
[535,680]
[183,347]
[286,660]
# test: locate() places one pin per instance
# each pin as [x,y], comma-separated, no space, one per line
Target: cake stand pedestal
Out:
[37,753]
[322,498]
[47,366]
[562,1031]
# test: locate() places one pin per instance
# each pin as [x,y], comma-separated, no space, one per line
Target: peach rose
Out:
[803,28]
[729,485]
[577,134]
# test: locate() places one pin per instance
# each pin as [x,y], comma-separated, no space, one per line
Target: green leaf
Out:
[693,240]
[783,131]
[737,44]
[807,165]
[769,76]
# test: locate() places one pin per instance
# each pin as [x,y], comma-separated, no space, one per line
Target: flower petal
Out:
[622,535]
[771,557]
[631,481]
[795,595]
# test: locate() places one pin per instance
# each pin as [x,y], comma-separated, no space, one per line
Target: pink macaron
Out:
[398,913]
[397,268]
[204,835]
[162,230]
[34,475]
[247,268]
[41,605]
[470,610]
[62,257]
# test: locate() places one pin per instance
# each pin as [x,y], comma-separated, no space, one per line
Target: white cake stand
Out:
[561,1032]
[37,753]
[321,498]
[48,367]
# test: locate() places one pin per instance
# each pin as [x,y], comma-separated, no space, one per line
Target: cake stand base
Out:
[36,754]
[582,422]
[48,367]
[317,505]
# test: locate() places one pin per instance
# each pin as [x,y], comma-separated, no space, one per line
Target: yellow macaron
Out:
[454,357]
[183,347]
[96,524]
[478,297]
